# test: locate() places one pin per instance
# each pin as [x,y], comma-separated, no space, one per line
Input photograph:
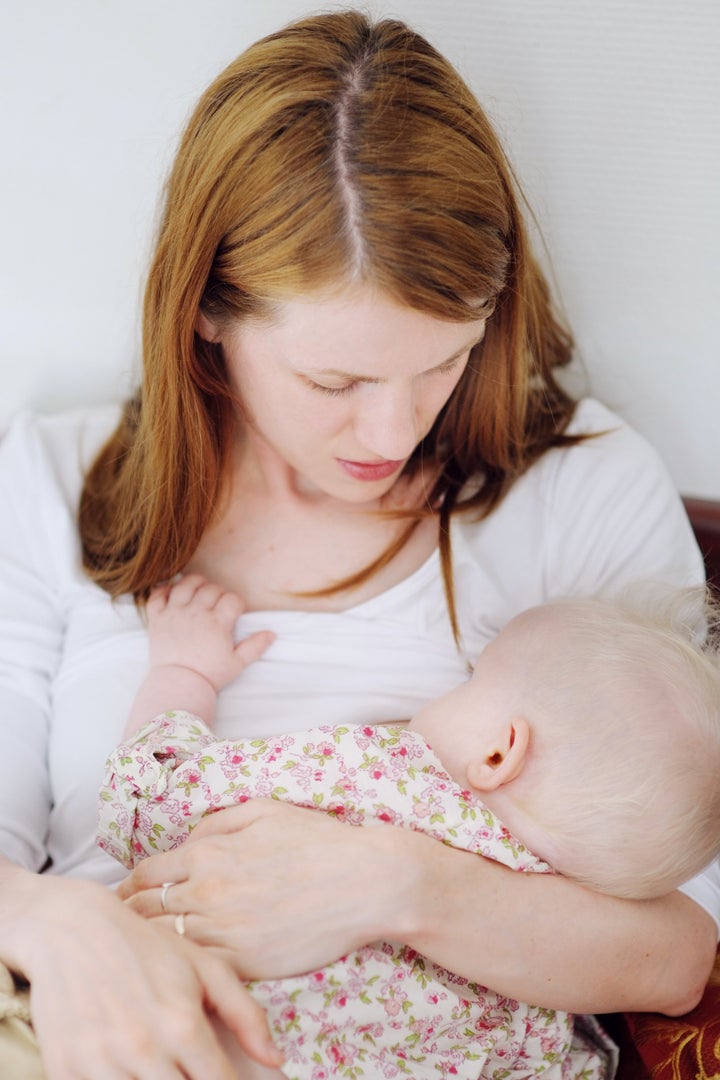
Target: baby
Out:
[587,740]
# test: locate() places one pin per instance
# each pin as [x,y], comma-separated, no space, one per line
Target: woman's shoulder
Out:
[608,457]
[608,437]
[588,517]
[615,473]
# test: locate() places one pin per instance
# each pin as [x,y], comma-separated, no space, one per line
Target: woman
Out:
[348,415]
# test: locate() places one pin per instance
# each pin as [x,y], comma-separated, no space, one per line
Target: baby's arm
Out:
[192,651]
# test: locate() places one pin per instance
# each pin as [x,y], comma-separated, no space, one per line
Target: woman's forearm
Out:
[287,890]
[546,940]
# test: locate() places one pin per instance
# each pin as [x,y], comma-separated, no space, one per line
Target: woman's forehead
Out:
[334,330]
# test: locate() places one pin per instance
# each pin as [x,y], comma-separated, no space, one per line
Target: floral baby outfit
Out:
[383,1011]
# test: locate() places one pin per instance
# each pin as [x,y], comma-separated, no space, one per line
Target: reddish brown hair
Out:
[334,150]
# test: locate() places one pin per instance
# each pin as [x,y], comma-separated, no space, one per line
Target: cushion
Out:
[657,1047]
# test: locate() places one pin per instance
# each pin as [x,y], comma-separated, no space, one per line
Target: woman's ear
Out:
[206,328]
[504,761]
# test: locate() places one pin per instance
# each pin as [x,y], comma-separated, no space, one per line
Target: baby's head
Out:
[592,729]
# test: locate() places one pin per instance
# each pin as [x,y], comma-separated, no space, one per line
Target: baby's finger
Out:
[207,595]
[251,648]
[157,600]
[229,607]
[183,591]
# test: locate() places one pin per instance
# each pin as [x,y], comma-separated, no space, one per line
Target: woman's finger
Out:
[175,865]
[153,873]
[236,818]
[238,1011]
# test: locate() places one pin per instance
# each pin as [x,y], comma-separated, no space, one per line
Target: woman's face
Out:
[341,388]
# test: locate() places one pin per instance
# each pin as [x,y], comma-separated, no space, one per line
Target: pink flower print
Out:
[265,788]
[391,1071]
[342,1053]
[303,773]
[551,1043]
[352,815]
[143,823]
[393,1004]
[288,1019]
[395,769]
[320,1073]
[413,749]
[234,763]
[176,811]
[279,747]
[375,1031]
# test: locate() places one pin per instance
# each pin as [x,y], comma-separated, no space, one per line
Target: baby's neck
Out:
[520,822]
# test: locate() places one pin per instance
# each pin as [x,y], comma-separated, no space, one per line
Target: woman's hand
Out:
[284,890]
[115,997]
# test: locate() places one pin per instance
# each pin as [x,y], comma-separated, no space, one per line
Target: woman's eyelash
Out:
[338,391]
[447,368]
[333,391]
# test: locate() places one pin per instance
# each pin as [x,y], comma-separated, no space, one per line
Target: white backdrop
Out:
[611,112]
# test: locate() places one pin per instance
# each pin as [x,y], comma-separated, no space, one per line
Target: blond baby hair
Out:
[623,772]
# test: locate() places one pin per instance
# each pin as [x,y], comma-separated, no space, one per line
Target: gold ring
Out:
[180,925]
[163,894]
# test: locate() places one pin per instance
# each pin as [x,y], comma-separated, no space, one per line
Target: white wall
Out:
[611,112]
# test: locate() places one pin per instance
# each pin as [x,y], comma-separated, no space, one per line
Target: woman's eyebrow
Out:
[338,374]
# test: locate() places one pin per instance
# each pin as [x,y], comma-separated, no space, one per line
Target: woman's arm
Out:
[543,938]
[250,876]
[111,989]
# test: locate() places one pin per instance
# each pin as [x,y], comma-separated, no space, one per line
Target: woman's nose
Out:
[386,423]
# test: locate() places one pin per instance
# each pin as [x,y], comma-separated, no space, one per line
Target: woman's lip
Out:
[370,470]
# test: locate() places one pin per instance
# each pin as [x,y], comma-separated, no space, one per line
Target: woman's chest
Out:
[378,661]
[276,557]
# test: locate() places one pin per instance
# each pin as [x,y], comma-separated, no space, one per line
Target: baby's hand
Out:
[190,625]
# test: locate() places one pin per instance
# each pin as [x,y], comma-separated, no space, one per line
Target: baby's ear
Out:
[503,762]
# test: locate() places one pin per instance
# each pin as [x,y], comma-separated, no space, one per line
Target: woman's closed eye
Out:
[336,391]
[333,391]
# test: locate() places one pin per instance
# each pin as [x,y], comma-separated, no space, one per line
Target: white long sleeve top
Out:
[583,520]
